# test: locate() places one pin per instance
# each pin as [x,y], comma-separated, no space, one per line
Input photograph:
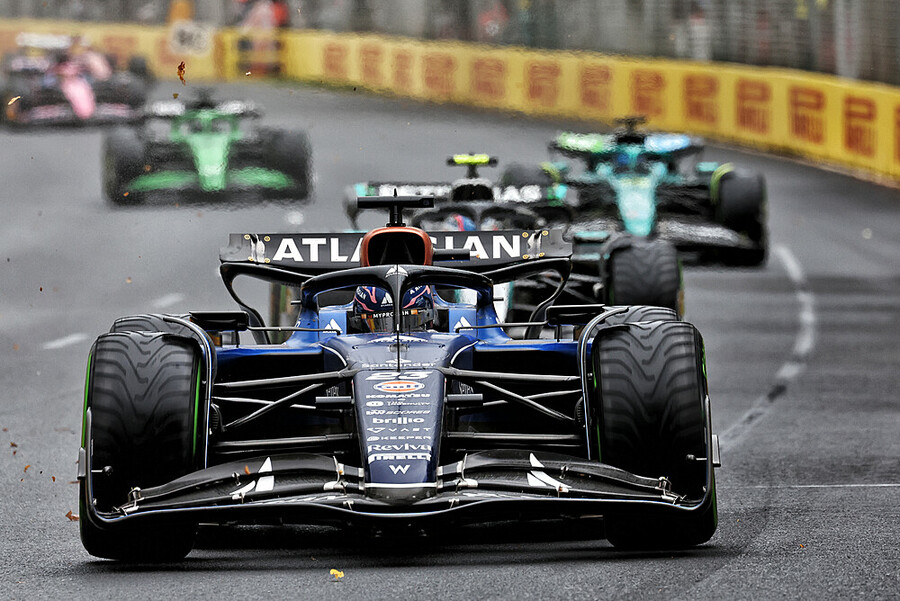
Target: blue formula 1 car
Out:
[396,407]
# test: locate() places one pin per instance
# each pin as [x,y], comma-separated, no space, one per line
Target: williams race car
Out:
[608,266]
[207,151]
[653,185]
[53,79]
[396,408]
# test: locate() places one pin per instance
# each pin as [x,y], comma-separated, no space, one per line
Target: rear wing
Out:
[593,148]
[167,109]
[313,254]
[441,191]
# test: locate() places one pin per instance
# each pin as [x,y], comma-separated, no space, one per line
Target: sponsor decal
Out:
[647,92]
[394,364]
[700,92]
[392,430]
[400,399]
[488,79]
[807,114]
[396,438]
[399,386]
[401,338]
[398,421]
[398,411]
[542,83]
[859,125]
[754,100]
[263,484]
[399,447]
[335,61]
[438,70]
[394,375]
[401,469]
[595,84]
[370,58]
[399,457]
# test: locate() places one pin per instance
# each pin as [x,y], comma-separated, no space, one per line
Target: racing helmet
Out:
[373,309]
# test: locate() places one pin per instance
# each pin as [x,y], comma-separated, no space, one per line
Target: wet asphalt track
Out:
[803,364]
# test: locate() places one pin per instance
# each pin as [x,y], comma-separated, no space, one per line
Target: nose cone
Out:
[400,495]
[210,152]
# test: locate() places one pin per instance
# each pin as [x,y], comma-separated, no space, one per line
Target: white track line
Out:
[167,300]
[805,486]
[804,343]
[65,341]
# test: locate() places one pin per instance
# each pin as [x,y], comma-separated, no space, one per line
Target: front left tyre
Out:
[144,397]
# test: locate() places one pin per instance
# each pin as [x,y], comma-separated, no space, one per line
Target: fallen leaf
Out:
[175,95]
[7,429]
[247,470]
[15,348]
[73,517]
[247,73]
[336,574]
[802,546]
[26,467]
[181,73]
[14,453]
[125,194]
[53,478]
[127,280]
[12,100]
[13,445]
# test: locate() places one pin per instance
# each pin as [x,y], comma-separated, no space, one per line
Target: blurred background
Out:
[849,38]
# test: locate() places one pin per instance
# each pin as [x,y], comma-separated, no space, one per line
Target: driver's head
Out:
[373,309]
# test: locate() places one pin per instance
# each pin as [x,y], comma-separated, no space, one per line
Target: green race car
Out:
[205,151]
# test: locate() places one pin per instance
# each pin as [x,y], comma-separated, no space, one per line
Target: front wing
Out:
[317,489]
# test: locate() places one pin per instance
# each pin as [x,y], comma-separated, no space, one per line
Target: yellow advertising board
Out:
[818,116]
[850,123]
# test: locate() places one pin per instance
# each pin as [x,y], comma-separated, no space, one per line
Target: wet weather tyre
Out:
[645,272]
[518,174]
[636,313]
[649,416]
[741,206]
[161,322]
[123,161]
[143,396]
[291,154]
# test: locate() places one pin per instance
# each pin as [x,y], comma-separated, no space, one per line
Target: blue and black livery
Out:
[460,422]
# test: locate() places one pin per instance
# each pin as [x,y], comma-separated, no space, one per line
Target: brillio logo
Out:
[399,386]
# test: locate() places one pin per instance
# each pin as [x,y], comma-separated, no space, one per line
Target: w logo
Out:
[399,469]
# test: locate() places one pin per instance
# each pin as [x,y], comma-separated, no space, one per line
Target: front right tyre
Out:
[143,393]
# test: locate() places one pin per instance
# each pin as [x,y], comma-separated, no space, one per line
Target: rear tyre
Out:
[741,206]
[123,161]
[291,154]
[645,272]
[649,418]
[142,394]
[518,174]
